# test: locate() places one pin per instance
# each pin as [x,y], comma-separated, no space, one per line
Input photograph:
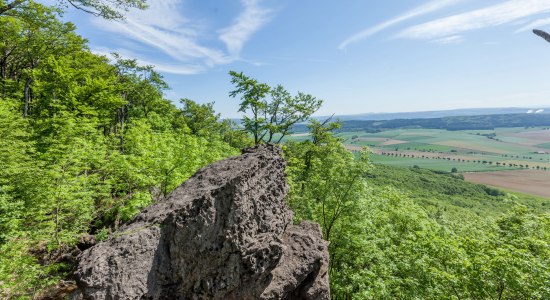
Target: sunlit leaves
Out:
[85,145]
[386,245]
[270,113]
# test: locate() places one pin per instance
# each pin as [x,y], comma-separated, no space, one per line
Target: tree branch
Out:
[10,6]
[85,10]
[542,34]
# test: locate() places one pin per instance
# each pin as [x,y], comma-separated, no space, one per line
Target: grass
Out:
[420,147]
[436,165]
[366,143]
[545,145]
[537,202]
[450,194]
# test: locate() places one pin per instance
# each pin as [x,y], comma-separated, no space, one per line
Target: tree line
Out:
[462,160]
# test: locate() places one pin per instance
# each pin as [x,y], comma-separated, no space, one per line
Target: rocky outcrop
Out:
[226,233]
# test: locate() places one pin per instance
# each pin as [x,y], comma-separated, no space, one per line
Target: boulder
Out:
[226,233]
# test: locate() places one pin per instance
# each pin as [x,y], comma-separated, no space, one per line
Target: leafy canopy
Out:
[270,113]
[108,9]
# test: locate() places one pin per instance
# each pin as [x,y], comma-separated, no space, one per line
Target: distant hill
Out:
[442,113]
[484,122]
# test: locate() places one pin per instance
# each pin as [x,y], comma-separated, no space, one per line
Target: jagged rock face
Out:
[226,233]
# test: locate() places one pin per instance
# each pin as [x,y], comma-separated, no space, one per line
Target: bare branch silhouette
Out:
[542,34]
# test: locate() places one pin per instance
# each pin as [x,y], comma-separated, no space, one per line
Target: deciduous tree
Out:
[273,110]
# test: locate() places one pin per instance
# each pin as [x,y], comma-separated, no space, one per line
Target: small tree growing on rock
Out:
[272,111]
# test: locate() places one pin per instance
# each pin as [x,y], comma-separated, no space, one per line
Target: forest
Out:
[483,122]
[87,142]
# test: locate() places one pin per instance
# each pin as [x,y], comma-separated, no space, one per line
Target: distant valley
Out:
[442,113]
[510,151]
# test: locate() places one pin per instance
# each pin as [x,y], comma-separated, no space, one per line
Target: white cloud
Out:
[247,23]
[533,25]
[173,68]
[499,14]
[454,39]
[429,7]
[164,28]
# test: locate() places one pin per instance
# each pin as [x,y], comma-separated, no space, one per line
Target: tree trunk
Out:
[4,67]
[123,110]
[28,97]
[121,116]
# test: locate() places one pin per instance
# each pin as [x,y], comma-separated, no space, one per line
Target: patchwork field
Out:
[511,158]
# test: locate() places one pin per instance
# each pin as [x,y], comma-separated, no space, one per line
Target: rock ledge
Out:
[226,233]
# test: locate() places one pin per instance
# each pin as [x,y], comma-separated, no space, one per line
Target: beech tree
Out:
[327,185]
[274,111]
[84,145]
[108,9]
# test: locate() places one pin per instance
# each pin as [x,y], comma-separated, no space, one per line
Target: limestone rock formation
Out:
[226,233]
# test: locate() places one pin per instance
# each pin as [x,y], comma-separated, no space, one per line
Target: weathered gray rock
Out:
[226,233]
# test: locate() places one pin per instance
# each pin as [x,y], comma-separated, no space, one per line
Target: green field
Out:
[463,151]
[436,165]
[466,150]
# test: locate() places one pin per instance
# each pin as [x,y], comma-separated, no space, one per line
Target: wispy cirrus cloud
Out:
[171,67]
[491,16]
[427,8]
[164,28]
[247,23]
[533,25]
[454,39]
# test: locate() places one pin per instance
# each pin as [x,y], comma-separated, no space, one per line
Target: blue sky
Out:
[358,56]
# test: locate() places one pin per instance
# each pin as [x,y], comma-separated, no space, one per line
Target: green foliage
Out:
[400,252]
[102,234]
[437,192]
[389,253]
[21,275]
[106,9]
[270,117]
[326,182]
[85,145]
[201,120]
[415,234]
[18,170]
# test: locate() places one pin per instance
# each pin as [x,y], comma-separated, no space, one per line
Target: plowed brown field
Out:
[525,181]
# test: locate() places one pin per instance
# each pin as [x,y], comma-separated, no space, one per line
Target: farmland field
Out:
[517,148]
[436,165]
[525,181]
[514,158]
